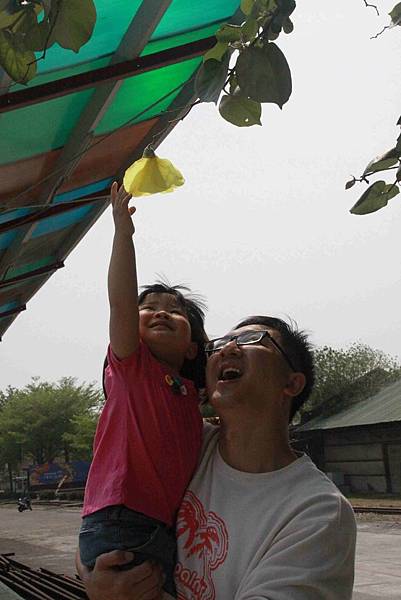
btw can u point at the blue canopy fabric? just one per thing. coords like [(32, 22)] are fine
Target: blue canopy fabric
[(120, 92)]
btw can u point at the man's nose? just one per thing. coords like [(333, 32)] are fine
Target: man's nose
[(230, 348)]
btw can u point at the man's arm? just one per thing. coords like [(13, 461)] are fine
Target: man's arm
[(107, 582), (313, 559), (122, 278)]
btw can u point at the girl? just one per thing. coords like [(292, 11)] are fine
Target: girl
[(148, 437)]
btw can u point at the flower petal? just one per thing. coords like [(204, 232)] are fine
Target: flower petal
[(152, 176)]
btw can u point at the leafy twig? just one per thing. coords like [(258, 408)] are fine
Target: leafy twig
[(380, 32), (372, 6), (51, 28)]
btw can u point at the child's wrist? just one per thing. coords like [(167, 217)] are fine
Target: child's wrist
[(123, 233)]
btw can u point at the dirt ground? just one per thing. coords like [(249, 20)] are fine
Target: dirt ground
[(47, 537)]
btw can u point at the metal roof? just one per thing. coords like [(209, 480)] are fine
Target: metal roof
[(83, 120), (383, 407)]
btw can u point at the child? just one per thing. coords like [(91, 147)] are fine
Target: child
[(149, 433)]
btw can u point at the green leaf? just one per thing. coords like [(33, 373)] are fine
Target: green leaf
[(269, 5), (9, 13), (374, 198), (37, 36), (271, 35), (276, 24), (210, 79), (398, 144), (385, 161), (229, 33), (350, 184), (217, 52), (286, 7), (233, 83), (250, 30), (47, 5), (73, 21), (398, 174), (264, 75), (246, 6), (288, 25), (240, 111), (395, 15), (20, 65)]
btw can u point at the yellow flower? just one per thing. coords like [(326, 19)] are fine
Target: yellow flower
[(151, 175)]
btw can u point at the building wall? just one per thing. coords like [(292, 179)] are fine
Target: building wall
[(394, 455), (369, 457)]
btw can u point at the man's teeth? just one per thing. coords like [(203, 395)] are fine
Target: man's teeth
[(230, 373)]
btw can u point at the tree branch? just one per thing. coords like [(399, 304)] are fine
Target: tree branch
[(371, 6), (380, 32)]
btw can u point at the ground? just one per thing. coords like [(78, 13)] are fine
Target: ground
[(47, 537)]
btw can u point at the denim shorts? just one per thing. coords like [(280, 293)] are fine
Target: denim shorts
[(119, 528)]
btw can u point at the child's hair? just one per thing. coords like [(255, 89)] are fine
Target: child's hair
[(194, 307)]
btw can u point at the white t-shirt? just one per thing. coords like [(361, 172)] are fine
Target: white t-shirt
[(284, 535)]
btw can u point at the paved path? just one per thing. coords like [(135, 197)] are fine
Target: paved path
[(44, 537), (47, 537), (378, 561)]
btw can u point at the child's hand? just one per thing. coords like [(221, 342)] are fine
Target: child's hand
[(122, 213)]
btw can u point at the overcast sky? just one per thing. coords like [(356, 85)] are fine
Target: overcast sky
[(262, 225)]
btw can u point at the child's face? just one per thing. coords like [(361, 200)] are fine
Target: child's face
[(164, 327)]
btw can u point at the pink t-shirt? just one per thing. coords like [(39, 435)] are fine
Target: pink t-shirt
[(147, 441)]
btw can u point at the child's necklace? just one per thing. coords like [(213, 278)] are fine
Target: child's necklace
[(176, 384)]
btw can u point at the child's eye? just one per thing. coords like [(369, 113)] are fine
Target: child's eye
[(146, 308)]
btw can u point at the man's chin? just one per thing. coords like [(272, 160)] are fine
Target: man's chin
[(223, 395)]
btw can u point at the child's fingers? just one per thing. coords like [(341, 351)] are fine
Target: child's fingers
[(122, 193), (131, 210), (114, 192), (123, 198)]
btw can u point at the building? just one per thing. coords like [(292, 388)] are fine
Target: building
[(360, 445)]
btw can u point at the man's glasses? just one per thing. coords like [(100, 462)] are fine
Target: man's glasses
[(246, 338)]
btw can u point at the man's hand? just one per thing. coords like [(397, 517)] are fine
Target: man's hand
[(105, 582), (122, 213)]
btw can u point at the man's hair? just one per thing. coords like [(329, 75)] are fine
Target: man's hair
[(194, 307), (296, 344)]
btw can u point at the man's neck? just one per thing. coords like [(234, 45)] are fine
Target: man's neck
[(255, 449)]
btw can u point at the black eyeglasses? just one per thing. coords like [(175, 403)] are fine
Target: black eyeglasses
[(245, 339)]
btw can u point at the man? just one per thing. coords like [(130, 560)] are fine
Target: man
[(258, 521)]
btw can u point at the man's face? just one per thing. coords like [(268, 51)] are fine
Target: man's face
[(251, 376)]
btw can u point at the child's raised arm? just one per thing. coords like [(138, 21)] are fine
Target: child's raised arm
[(122, 278)]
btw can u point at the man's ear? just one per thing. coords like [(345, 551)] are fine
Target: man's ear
[(192, 351), (295, 384)]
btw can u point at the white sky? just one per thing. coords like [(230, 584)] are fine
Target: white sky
[(262, 225)]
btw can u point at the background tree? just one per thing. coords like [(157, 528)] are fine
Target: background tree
[(80, 438), (345, 376), (40, 421)]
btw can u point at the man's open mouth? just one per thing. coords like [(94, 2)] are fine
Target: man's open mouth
[(229, 374)]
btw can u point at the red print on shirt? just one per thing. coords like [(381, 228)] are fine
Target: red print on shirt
[(207, 539)]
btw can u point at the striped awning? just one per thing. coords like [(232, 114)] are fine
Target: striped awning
[(82, 120)]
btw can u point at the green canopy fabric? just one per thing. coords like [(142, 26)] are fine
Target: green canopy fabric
[(82, 120)]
